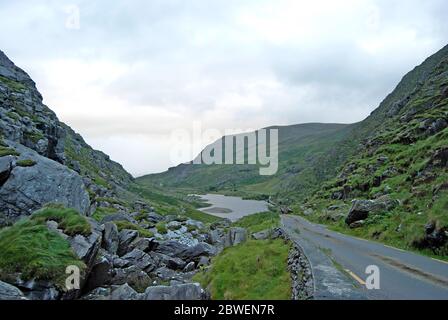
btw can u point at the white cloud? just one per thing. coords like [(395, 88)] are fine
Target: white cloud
[(134, 72)]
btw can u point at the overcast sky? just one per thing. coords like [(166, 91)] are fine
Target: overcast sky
[(132, 72)]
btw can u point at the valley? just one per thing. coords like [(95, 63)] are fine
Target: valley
[(248, 236)]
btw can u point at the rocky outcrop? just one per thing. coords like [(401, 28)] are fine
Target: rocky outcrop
[(361, 209), (9, 292), (28, 188), (111, 237), (435, 237), (86, 247)]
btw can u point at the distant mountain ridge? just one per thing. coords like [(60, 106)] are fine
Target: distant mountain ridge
[(301, 147)]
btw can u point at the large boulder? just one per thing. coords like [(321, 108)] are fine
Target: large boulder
[(435, 237), (170, 262), (170, 247), (195, 252), (119, 216), (100, 275), (6, 165), (236, 236), (110, 238), (126, 237), (144, 244), (361, 209), (134, 276), (86, 247), (190, 291), (141, 260), (9, 292), (29, 188), (123, 292)]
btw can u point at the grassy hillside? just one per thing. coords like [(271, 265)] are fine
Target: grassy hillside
[(403, 157)]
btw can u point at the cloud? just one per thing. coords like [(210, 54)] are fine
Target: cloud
[(134, 72)]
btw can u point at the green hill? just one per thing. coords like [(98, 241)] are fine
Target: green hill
[(307, 156)]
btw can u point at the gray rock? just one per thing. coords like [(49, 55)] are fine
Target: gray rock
[(174, 225), (189, 267), (203, 262), (361, 209), (100, 275), (141, 259), (164, 273), (120, 216), (143, 244), (86, 248), (123, 292), (9, 292), (98, 294), (30, 188), (38, 289), (170, 247), (170, 262), (134, 276), (191, 291), (120, 263), (5, 168), (193, 253), (357, 224), (110, 238), (154, 217), (236, 236), (125, 239), (262, 235), (195, 223)]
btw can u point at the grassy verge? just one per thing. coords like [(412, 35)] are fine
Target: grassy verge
[(259, 221), (255, 270)]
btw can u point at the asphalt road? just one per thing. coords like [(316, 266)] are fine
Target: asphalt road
[(403, 275)]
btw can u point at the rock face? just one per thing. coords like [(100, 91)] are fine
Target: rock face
[(9, 292), (111, 237), (27, 189), (86, 247), (24, 118), (361, 209)]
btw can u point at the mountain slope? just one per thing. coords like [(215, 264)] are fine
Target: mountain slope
[(43, 160), (306, 157), (403, 157)]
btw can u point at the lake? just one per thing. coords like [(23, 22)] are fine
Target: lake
[(232, 208)]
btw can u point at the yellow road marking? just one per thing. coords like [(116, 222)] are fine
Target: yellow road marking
[(439, 260), (354, 276), (394, 248)]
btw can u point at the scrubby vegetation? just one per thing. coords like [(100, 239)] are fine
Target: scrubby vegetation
[(101, 212), (130, 226), (255, 270), (6, 151), (259, 221), (69, 220), (30, 248), (161, 228), (26, 163)]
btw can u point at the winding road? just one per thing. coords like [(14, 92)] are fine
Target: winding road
[(403, 275)]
